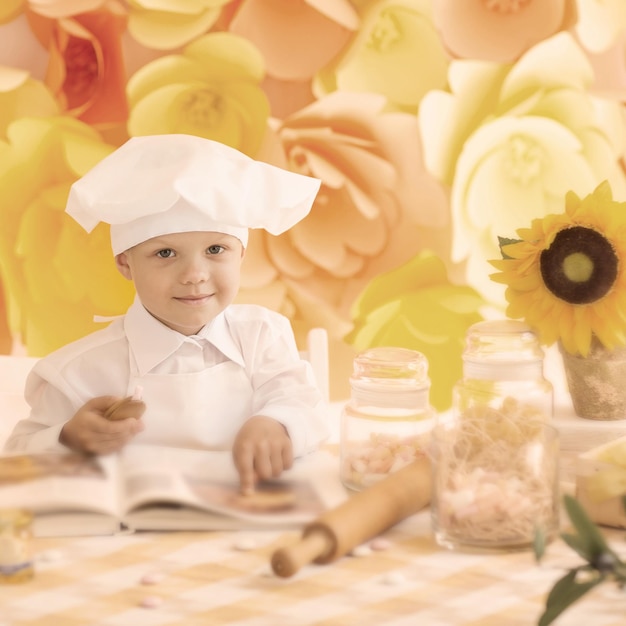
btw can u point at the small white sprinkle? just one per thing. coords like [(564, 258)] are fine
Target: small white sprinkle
[(243, 545), (362, 550), (393, 579), (151, 602), (380, 543), (152, 578), (50, 556)]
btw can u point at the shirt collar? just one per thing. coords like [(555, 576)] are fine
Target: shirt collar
[(152, 342)]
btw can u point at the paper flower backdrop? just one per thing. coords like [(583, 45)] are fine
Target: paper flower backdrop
[(434, 125)]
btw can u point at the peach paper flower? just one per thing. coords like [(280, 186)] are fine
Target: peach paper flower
[(210, 90), (396, 52), (510, 141), (288, 33), (600, 23), (56, 9), (376, 208), (170, 24), (22, 96), (55, 276), (86, 66), (500, 31), (417, 307)]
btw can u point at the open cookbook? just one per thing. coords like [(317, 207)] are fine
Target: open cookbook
[(161, 488)]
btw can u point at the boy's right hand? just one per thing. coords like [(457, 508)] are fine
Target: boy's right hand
[(90, 431)]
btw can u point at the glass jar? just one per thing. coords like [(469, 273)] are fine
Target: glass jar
[(503, 373), (16, 546), (496, 456), (386, 423)]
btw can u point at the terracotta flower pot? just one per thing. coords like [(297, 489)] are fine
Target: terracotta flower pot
[(597, 382)]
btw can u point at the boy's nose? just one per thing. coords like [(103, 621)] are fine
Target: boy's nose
[(196, 271)]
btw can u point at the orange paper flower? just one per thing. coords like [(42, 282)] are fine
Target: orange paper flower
[(86, 69)]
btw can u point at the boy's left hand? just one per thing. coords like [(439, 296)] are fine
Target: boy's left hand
[(262, 450)]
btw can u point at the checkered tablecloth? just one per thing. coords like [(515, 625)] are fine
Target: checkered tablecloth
[(225, 578)]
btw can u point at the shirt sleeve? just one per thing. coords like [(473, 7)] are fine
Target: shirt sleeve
[(285, 388), (50, 409)]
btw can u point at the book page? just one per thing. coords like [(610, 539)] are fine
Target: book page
[(167, 479), (59, 481)]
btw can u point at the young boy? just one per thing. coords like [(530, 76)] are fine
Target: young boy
[(211, 374)]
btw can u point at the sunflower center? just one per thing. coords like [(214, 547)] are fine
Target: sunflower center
[(580, 266), (577, 267)]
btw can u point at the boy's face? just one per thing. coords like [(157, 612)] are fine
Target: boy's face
[(184, 279)]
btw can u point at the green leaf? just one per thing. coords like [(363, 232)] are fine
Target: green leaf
[(565, 592), (505, 241), (590, 544), (539, 544)]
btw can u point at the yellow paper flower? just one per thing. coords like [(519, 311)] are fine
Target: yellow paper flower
[(511, 140), (10, 9), (22, 96), (417, 307), (394, 36), (170, 24), (566, 275), (211, 90), (56, 276)]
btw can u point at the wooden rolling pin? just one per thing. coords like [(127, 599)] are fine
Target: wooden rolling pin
[(363, 516)]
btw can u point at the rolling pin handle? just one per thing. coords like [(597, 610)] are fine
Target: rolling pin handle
[(287, 561)]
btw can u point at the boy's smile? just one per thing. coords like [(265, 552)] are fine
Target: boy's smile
[(184, 279)]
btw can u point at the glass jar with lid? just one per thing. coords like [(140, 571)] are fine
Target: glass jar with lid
[(387, 421), (503, 373), (496, 456)]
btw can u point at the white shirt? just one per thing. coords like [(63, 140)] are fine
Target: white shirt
[(258, 340)]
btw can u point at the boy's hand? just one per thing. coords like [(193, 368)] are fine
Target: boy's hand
[(90, 431), (262, 450)]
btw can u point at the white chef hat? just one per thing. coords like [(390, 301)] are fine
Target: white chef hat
[(162, 184)]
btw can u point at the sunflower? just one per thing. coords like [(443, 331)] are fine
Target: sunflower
[(566, 274)]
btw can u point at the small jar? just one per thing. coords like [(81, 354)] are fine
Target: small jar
[(387, 421), (16, 546), (503, 373), (496, 457)]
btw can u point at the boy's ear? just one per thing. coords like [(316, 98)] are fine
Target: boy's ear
[(121, 262)]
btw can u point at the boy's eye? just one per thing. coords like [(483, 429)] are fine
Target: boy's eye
[(166, 253), (215, 249)]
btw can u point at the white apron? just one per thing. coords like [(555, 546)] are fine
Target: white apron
[(204, 409)]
